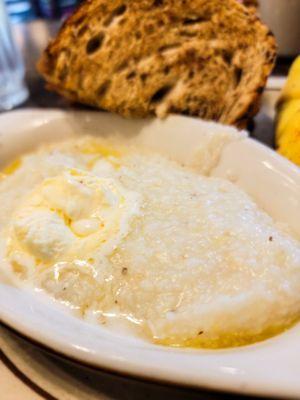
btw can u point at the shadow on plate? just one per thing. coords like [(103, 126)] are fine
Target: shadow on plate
[(56, 378)]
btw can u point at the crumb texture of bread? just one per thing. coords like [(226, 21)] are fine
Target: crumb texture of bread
[(205, 58)]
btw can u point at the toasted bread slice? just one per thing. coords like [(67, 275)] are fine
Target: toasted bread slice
[(206, 58)]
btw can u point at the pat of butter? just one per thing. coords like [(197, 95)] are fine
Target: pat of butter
[(71, 216), (85, 227)]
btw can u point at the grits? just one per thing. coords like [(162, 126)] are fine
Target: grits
[(117, 233)]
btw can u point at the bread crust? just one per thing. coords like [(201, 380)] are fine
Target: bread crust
[(137, 58)]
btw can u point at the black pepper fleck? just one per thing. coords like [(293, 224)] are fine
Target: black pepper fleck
[(124, 270)]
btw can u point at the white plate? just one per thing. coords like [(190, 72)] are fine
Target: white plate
[(271, 367)]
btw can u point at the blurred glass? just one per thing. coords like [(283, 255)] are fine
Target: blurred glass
[(28, 10), (12, 87), (21, 10)]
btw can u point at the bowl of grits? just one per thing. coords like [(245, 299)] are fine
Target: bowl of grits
[(150, 247)]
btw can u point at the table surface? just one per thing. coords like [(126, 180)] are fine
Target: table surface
[(14, 382)]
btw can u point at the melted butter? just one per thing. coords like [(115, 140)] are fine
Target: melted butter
[(237, 339), (12, 167), (112, 160), (85, 227), (92, 147), (70, 217)]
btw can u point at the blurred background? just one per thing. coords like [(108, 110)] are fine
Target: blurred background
[(29, 10), (26, 26)]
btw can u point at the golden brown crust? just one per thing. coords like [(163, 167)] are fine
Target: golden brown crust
[(139, 57)]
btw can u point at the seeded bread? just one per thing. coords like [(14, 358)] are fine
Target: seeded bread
[(206, 58)]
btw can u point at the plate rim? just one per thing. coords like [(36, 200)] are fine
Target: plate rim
[(113, 372)]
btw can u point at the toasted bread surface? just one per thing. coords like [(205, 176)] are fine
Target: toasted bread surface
[(206, 58)]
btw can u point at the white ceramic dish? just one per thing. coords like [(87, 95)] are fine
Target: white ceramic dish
[(267, 368)]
